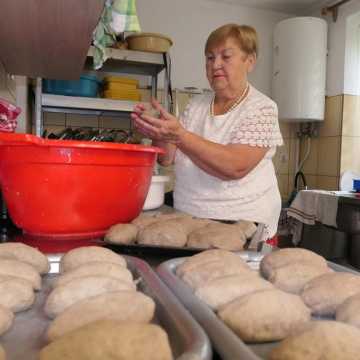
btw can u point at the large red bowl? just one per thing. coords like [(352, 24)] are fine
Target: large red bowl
[(72, 189)]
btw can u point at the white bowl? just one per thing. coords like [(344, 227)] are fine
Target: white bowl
[(155, 196)]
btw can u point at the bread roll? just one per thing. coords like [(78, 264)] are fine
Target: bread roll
[(326, 292), (247, 227), (120, 305), (83, 255), (21, 270), (268, 315), (204, 257), (121, 234), (223, 290), (348, 312), (204, 273), (111, 340), (325, 340), (217, 235), (16, 294), (95, 268), (293, 277), (27, 254), (79, 289), (287, 256), (6, 319)]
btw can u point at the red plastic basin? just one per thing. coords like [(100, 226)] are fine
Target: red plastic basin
[(72, 189)]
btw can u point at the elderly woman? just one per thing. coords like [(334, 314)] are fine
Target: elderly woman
[(222, 146)]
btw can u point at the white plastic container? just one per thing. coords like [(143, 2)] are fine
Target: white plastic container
[(300, 48), (155, 196)]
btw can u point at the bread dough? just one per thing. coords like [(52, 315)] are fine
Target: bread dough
[(16, 294), (287, 256), (82, 288), (325, 340), (223, 290), (6, 319), (204, 257), (247, 227), (348, 312), (268, 315), (21, 270), (217, 235), (83, 255), (111, 340), (204, 273), (293, 277), (2, 353), (121, 305), (144, 220), (326, 292), (121, 234), (96, 268), (27, 254), (163, 233)]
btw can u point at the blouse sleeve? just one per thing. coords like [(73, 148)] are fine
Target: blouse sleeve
[(258, 127)]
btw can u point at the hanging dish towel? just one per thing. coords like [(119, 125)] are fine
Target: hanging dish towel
[(8, 115), (311, 206), (118, 16)]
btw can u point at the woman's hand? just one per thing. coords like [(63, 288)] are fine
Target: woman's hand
[(165, 128)]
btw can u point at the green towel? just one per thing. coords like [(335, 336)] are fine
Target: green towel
[(118, 16)]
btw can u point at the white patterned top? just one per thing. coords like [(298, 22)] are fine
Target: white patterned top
[(254, 197)]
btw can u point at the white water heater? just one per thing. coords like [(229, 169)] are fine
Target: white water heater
[(299, 76)]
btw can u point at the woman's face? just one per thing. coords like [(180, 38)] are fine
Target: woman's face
[(227, 66)]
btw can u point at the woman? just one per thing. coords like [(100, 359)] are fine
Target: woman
[(223, 144)]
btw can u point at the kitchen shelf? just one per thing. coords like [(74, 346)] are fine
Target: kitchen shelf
[(119, 62)]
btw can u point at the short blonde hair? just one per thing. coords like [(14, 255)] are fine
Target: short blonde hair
[(245, 35)]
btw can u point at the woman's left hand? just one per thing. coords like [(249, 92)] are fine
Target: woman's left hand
[(164, 128)]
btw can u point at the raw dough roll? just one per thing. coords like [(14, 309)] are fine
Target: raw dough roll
[(326, 292), (21, 270), (111, 340), (325, 340), (121, 305), (83, 255), (16, 294), (217, 235), (79, 289), (121, 234), (268, 315), (204, 257), (348, 312), (27, 254), (287, 256), (6, 319), (223, 290), (95, 268)]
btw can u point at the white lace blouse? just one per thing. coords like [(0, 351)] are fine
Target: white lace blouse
[(256, 196)]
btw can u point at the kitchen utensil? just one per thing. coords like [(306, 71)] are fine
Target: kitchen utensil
[(149, 42)]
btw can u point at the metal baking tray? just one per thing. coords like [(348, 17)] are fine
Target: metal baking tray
[(225, 341), (187, 339)]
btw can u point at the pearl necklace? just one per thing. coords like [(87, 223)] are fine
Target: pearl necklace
[(234, 105)]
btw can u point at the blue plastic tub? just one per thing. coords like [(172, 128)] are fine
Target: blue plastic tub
[(356, 185), (87, 86)]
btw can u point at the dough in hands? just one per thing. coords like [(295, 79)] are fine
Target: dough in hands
[(83, 255), (223, 290), (82, 288), (326, 292), (326, 340), (217, 235), (262, 316), (111, 340), (121, 234), (120, 305), (27, 254), (21, 270), (95, 268)]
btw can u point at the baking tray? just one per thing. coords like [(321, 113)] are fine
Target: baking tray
[(225, 341), (187, 339)]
